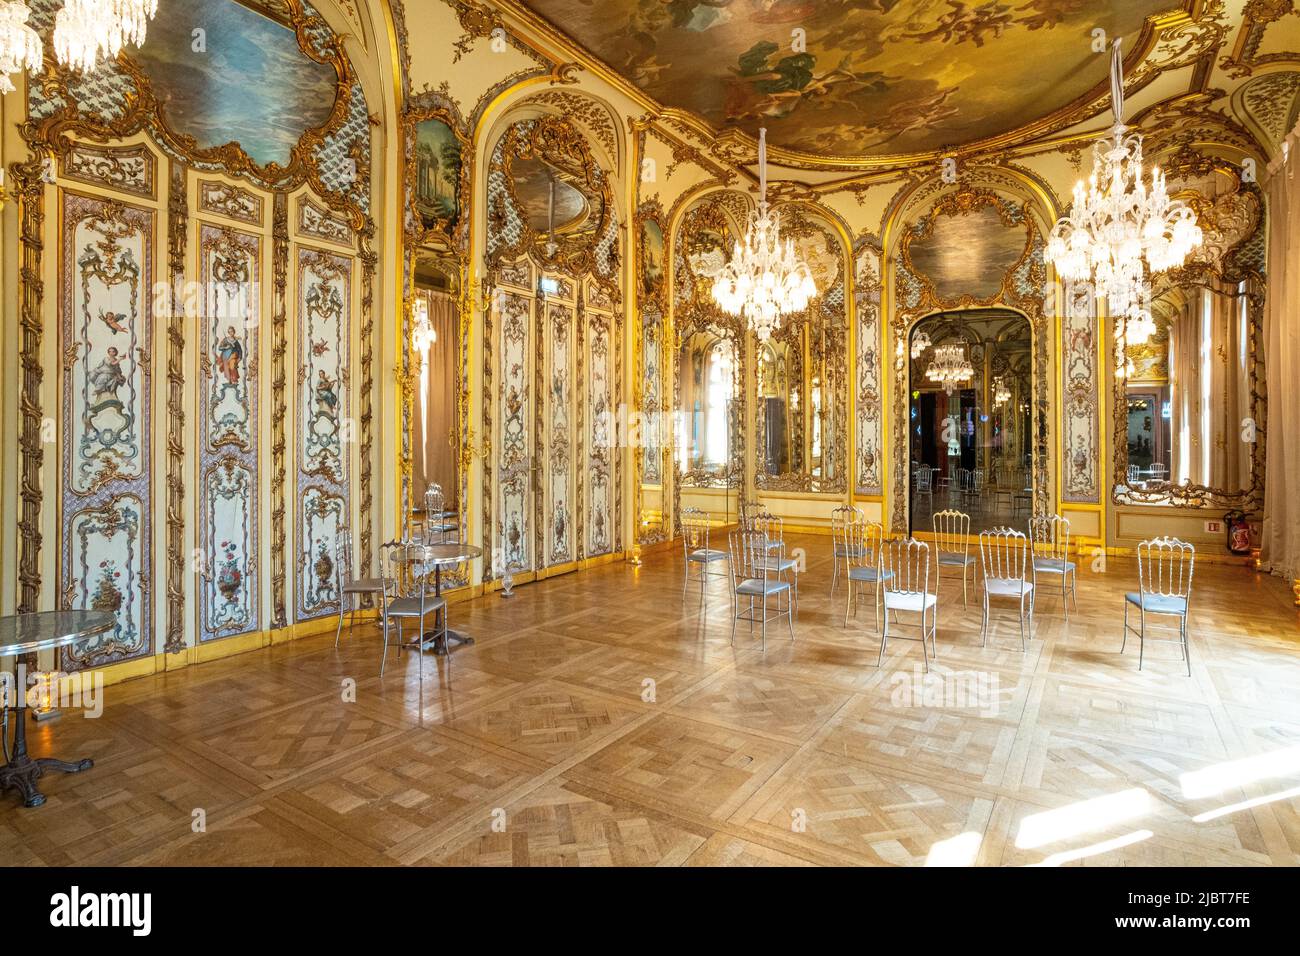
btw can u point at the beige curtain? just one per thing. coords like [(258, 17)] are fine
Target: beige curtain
[(1281, 531), (435, 409)]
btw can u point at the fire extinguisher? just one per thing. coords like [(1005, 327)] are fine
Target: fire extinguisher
[(1238, 530)]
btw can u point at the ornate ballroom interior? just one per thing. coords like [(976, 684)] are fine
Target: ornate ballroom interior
[(591, 341)]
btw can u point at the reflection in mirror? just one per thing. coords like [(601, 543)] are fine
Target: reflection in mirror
[(707, 369), (1188, 393), (436, 333), (970, 431)]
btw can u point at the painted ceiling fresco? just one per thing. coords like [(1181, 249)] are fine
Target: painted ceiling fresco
[(873, 77)]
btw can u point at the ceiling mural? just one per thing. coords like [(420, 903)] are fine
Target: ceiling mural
[(866, 77)]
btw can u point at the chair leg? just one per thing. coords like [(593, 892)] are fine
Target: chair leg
[(342, 609), (884, 639), (1142, 634), (1023, 646), (835, 571), (789, 617), (1124, 642), (964, 602), (1187, 647), (879, 585), (984, 622), (383, 661)]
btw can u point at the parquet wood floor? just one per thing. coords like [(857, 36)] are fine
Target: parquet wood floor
[(603, 719)]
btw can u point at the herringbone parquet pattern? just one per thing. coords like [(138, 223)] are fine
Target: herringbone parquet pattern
[(602, 719)]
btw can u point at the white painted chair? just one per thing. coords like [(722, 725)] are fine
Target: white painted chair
[(841, 518), (1007, 571), (952, 546), (906, 564), (696, 550), (1165, 568), (1049, 538), (751, 580), (863, 540)]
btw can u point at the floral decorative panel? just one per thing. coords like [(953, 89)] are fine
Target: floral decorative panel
[(230, 273), (559, 510), (325, 430), (1080, 389), (870, 398), (516, 419), (600, 452), (106, 331), (652, 396)]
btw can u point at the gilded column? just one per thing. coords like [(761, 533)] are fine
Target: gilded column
[(279, 348), (177, 225)]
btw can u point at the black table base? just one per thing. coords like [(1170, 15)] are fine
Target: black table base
[(22, 771)]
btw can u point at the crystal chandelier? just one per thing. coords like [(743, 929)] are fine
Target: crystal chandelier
[(949, 367), (1139, 326), (920, 342), (765, 279), (20, 46), (85, 30), (1120, 229), (1001, 394)]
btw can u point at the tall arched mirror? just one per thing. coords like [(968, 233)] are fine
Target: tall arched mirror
[(970, 432), (435, 320)]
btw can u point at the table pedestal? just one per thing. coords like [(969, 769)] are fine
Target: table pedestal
[(434, 639), (22, 772)]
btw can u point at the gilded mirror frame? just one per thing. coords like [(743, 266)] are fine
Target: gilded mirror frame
[(915, 299), (798, 222), (1219, 264)]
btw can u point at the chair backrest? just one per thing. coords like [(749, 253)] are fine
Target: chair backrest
[(1134, 473), (392, 571), (841, 518), (1159, 470), (771, 527), (923, 479), (977, 480), (1004, 555), (1165, 567), (747, 512), (907, 562), (951, 529), (343, 557), (434, 503), (1049, 536), (963, 478), (695, 529), (748, 553), (862, 542)]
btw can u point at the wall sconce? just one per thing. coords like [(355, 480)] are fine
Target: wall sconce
[(42, 694)]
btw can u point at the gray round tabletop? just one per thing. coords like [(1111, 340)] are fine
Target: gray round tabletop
[(438, 555), (29, 633)]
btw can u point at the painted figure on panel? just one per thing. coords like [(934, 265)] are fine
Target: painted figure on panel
[(230, 352), (327, 400), (106, 377), (652, 258)]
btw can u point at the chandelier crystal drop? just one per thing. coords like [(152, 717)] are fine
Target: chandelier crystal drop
[(86, 30), (1120, 229), (949, 367), (765, 278), (920, 342), (20, 46)]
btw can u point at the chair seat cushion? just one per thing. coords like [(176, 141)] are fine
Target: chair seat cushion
[(776, 564), (958, 560), (1158, 603), (364, 586), (1009, 587), (706, 555), (410, 606), (869, 574), (759, 586), (1053, 565), (854, 552), (908, 600)]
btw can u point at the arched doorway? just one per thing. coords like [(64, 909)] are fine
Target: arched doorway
[(970, 434)]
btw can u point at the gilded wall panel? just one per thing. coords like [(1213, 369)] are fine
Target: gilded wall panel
[(600, 436), (106, 332), (515, 416)]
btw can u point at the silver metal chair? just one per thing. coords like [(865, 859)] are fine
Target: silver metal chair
[(1159, 472), (1008, 572), (1165, 568), (952, 544), (751, 578), (863, 541), (1049, 538), (772, 530), (972, 488), (696, 550), (923, 483), (436, 527), (905, 563), (841, 518), (416, 603), (352, 588)]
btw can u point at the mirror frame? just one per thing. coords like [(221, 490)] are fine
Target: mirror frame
[(1220, 264), (798, 222)]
